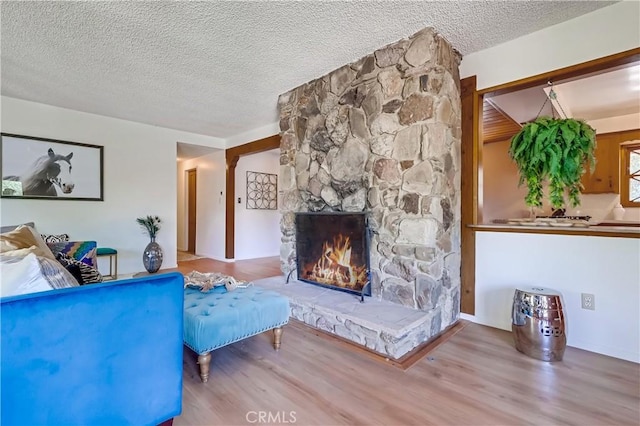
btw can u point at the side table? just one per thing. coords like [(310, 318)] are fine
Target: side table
[(113, 261)]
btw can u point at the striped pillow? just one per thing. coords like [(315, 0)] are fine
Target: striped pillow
[(60, 238), (87, 274), (56, 274)]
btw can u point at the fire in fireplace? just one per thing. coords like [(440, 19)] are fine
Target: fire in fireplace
[(332, 250)]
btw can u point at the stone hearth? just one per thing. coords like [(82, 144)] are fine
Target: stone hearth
[(384, 327), (382, 135)]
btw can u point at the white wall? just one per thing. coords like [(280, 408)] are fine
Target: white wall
[(600, 207), (139, 179), (254, 134), (608, 268), (210, 199), (257, 231), (603, 32), (616, 124)]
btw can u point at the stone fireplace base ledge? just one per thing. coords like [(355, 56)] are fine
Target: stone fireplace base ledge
[(387, 328)]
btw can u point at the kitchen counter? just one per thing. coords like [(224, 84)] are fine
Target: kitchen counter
[(604, 229), (618, 223)]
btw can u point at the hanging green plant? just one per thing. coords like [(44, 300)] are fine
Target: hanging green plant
[(557, 151)]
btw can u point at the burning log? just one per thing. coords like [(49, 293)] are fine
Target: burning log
[(334, 267)]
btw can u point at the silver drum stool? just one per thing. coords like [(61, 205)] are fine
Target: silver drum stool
[(538, 323)]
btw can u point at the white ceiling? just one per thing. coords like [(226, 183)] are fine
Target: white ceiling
[(594, 97), (217, 67), (606, 95), (186, 151), (524, 105)]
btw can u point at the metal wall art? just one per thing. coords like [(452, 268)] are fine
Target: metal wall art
[(262, 191)]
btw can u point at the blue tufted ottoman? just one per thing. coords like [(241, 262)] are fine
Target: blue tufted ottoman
[(220, 317)]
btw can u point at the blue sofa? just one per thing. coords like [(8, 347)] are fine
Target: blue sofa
[(100, 354)]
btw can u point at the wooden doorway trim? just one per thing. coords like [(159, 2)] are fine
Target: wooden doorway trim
[(192, 202), (469, 185), (471, 151), (573, 72), (232, 155)]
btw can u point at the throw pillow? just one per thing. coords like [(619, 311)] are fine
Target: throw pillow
[(24, 237), (23, 252), (74, 270), (9, 228), (60, 238), (56, 274), (84, 251), (21, 275), (88, 275)]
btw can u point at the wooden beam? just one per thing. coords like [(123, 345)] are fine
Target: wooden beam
[(232, 155), (260, 145), (469, 191), (230, 211)]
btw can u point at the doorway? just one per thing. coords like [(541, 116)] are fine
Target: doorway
[(192, 185), (232, 155)]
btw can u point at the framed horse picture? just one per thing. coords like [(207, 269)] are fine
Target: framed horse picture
[(50, 169)]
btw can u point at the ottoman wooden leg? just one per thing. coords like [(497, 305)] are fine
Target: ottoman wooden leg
[(204, 360), (277, 337)]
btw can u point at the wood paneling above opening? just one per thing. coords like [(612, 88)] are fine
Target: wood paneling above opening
[(497, 126)]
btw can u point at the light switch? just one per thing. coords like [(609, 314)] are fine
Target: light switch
[(239, 200)]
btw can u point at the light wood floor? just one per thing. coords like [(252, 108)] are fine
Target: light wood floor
[(475, 378), (242, 269)]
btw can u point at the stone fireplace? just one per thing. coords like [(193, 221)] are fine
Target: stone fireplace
[(382, 135)]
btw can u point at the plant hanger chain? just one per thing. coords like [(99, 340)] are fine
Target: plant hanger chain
[(553, 96)]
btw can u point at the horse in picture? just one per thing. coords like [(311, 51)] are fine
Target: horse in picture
[(43, 176)]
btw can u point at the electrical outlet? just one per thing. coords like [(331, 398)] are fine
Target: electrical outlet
[(588, 301)]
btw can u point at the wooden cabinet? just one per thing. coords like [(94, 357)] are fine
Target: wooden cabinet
[(606, 176)]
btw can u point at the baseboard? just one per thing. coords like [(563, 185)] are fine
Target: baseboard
[(405, 362), (220, 259), (467, 317)]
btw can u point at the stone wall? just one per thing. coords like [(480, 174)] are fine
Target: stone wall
[(382, 135)]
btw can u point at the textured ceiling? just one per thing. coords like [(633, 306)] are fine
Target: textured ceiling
[(217, 68)]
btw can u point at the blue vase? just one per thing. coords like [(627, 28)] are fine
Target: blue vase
[(152, 256)]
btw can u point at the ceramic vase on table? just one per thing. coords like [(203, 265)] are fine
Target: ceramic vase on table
[(152, 256)]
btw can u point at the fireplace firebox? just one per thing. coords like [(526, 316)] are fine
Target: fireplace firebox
[(332, 250)]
